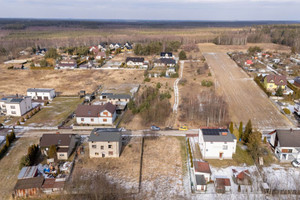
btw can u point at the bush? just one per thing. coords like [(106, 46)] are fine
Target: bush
[(22, 119), (46, 103), (182, 55), (174, 75), (9, 139), (18, 123), (207, 83), (287, 111), (147, 79), (209, 74)]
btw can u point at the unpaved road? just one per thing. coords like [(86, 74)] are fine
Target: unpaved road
[(245, 99)]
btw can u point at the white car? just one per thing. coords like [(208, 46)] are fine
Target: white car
[(296, 163)]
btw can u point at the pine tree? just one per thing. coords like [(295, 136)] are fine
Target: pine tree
[(231, 127), (247, 132), (241, 130)]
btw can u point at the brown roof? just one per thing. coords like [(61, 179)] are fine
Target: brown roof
[(35, 182), (51, 183), (94, 110), (223, 182), (241, 175), (202, 167), (276, 79), (55, 139)]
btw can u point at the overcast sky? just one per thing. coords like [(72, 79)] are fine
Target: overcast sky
[(153, 9)]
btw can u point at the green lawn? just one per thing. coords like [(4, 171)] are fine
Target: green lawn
[(240, 157), (53, 114)]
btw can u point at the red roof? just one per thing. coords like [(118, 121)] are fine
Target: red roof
[(241, 174), (202, 167), (249, 62), (223, 182), (276, 79), (94, 110)]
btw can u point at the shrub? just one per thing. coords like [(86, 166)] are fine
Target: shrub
[(158, 86), (182, 55), (22, 119), (206, 83), (174, 75), (147, 79), (209, 74), (287, 111), (26, 117), (18, 123), (45, 103)]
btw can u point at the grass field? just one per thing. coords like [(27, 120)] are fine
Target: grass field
[(57, 111), (9, 165), (239, 158)]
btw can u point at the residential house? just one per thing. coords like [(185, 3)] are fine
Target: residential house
[(249, 62), (28, 187), (273, 82), (102, 46), (67, 64), (217, 143), (222, 184), (128, 46), (105, 143), (65, 144), (135, 62), (166, 55), (164, 62), (96, 114), (202, 168), (286, 144), (41, 93), (201, 183), (100, 55), (15, 105), (94, 49), (241, 176), (114, 46)]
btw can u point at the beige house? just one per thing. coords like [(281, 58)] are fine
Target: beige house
[(105, 143), (65, 144), (15, 105)]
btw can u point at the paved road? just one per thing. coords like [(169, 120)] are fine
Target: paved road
[(245, 99)]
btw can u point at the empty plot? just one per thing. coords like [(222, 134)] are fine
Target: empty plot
[(246, 100)]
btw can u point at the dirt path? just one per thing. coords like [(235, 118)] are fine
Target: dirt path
[(246, 100), (176, 91)]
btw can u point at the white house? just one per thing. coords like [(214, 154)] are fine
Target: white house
[(170, 71), (96, 114), (105, 143), (135, 62), (217, 143), (200, 183), (15, 105), (41, 93), (286, 144)]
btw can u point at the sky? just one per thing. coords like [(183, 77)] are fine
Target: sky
[(227, 10)]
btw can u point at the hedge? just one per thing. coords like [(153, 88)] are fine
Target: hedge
[(190, 152)]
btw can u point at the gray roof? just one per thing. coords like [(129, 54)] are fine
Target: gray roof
[(40, 89), (27, 172), (165, 61), (200, 180), (12, 99), (105, 134), (216, 135), (288, 138)]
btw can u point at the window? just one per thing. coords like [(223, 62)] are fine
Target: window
[(211, 142), (110, 146), (104, 120), (225, 147), (206, 149), (102, 147), (13, 112), (13, 107), (82, 119), (105, 113), (96, 154), (61, 154), (92, 120), (94, 146), (110, 153)]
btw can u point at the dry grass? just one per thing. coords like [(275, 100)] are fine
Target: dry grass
[(9, 165), (69, 82), (123, 170), (57, 111)]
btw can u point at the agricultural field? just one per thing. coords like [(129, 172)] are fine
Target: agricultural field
[(245, 99), (9, 169), (55, 112)]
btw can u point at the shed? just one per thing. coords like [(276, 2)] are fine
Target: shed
[(28, 187)]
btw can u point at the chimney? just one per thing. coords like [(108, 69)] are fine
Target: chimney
[(224, 133)]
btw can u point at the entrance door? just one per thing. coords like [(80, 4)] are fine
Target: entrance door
[(221, 155), (103, 155)]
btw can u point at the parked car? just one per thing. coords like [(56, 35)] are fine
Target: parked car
[(183, 128), (155, 128), (296, 163)]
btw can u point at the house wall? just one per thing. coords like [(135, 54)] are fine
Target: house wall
[(212, 150), (62, 155), (96, 151), (201, 187), (96, 120), (115, 101), (14, 109), (35, 95), (206, 175), (26, 192)]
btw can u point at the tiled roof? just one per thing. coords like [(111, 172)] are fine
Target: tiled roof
[(94, 110)]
